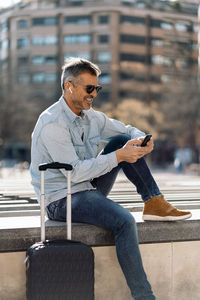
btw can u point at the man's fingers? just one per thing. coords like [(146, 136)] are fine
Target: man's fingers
[(150, 143), (134, 142)]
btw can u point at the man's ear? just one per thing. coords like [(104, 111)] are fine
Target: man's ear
[(66, 85)]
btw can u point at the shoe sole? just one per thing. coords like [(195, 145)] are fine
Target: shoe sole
[(167, 218)]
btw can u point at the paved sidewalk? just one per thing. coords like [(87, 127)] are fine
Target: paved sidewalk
[(17, 196), (19, 180)]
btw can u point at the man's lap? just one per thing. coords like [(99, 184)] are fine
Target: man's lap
[(90, 207)]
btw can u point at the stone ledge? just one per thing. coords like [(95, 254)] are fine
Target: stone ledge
[(18, 233)]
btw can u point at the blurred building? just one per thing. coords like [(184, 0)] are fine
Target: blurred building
[(139, 46)]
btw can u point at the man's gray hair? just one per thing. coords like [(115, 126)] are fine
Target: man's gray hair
[(74, 66)]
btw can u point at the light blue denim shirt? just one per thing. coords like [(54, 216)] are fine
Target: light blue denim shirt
[(57, 136)]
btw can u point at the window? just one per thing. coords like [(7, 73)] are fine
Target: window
[(132, 20), (22, 43), (155, 23), (44, 40), (157, 59), (168, 44), (50, 21), (85, 55), (132, 39), (139, 4), (103, 38), (4, 64), (181, 63), (155, 96), (195, 27), (183, 45), (167, 61), (126, 76), (131, 94), (5, 44), (161, 60), (76, 20), (51, 40), (126, 3), (41, 77), (75, 3), (52, 77), (181, 27), (165, 78), (22, 24), (4, 26), (38, 77), (38, 60), (104, 57), (132, 76), (155, 78), (77, 39), (104, 96), (132, 57), (23, 78), (104, 19), (105, 78), (38, 40), (195, 46), (166, 26), (51, 59), (156, 42), (23, 60)]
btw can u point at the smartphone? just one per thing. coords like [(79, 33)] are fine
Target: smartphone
[(146, 139)]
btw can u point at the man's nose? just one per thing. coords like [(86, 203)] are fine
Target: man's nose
[(94, 93)]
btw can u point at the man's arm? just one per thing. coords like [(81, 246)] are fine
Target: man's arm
[(132, 151), (129, 153), (111, 127), (57, 141), (58, 144)]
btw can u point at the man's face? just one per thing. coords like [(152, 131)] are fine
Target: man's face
[(77, 97)]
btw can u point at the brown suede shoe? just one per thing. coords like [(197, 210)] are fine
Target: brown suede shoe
[(158, 209)]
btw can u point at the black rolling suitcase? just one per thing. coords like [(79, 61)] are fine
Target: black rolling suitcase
[(59, 269)]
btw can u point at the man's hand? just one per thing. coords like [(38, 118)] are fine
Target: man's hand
[(149, 146), (132, 151)]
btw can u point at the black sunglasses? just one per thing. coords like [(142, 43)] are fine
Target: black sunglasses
[(91, 88)]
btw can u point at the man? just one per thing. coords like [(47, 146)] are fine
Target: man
[(70, 132)]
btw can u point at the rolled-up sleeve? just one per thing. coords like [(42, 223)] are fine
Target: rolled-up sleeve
[(57, 141)]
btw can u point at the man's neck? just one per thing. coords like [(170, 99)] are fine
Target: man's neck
[(81, 114)]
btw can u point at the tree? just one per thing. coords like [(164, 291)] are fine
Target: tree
[(144, 116), (17, 115), (182, 113)]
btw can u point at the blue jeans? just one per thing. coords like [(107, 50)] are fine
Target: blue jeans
[(93, 207)]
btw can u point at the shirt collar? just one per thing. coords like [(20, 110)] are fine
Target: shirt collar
[(70, 114)]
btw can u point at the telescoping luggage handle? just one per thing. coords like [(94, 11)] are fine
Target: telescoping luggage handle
[(68, 168)]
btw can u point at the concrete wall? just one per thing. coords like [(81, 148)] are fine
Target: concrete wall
[(172, 268)]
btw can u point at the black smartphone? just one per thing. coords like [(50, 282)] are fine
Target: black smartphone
[(146, 139)]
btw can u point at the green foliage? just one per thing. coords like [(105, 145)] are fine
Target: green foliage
[(176, 5)]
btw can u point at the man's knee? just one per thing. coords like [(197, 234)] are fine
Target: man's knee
[(130, 220), (127, 222), (116, 143)]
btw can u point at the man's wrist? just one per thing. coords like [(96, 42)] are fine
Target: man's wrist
[(119, 156)]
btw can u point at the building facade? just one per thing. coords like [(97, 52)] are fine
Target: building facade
[(138, 48)]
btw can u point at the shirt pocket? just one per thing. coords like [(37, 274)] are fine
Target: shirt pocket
[(94, 143), (80, 151)]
